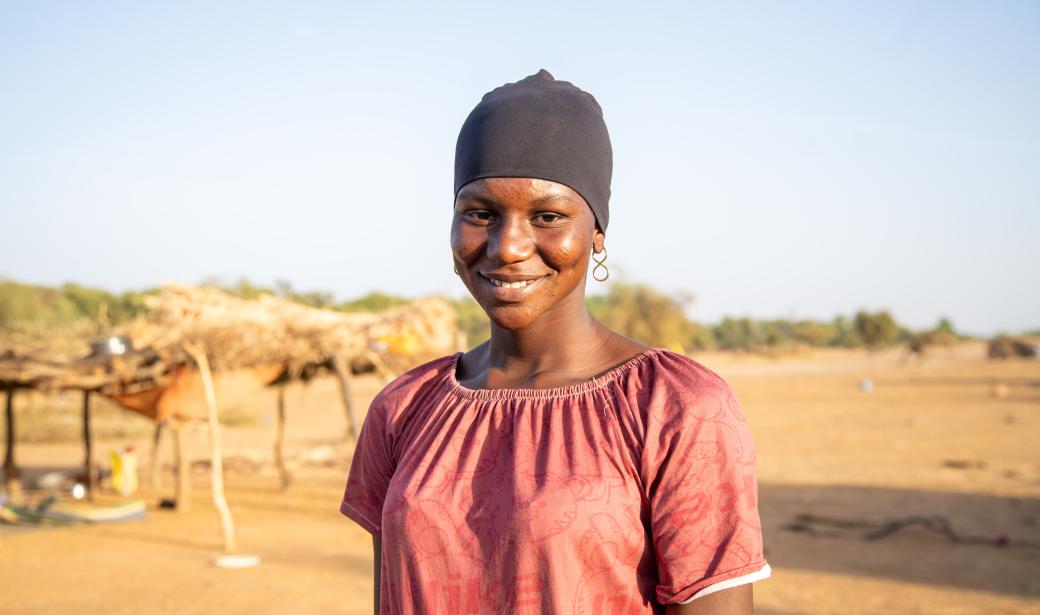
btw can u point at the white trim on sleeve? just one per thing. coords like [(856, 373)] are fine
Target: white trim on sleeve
[(758, 575)]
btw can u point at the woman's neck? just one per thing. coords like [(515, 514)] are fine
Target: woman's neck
[(552, 344)]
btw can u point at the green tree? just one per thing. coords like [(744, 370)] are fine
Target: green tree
[(946, 326), (647, 315), (776, 332), (846, 334), (738, 334), (314, 298), (25, 304), (701, 337), (128, 305), (372, 302), (20, 303), (876, 329), (815, 333)]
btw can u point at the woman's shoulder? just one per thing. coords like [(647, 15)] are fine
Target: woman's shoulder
[(674, 389), (415, 382), (678, 372)]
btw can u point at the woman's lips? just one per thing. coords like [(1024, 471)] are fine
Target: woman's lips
[(511, 291)]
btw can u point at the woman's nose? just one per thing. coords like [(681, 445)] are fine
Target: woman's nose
[(511, 241)]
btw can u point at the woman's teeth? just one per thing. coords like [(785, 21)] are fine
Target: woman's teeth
[(519, 284)]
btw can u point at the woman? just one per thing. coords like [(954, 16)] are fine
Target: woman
[(559, 467)]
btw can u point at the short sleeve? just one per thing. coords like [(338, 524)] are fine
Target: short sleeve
[(370, 471), (699, 467)]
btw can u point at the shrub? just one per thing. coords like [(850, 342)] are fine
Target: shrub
[(876, 329), (647, 315)]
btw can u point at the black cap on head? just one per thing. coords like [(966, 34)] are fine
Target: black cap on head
[(542, 128)]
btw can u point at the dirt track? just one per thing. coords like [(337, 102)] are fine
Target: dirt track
[(954, 436)]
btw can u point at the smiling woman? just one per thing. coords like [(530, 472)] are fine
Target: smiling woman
[(558, 467), (522, 246)]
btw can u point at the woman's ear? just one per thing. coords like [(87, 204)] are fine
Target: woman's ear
[(597, 240)]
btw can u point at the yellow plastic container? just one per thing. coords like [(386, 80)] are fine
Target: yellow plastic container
[(124, 471)]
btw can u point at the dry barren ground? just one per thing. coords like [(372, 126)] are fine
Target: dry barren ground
[(953, 438)]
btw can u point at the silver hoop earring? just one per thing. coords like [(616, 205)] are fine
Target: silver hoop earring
[(455, 269), (599, 263)]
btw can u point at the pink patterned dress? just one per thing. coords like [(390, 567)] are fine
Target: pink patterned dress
[(616, 495)]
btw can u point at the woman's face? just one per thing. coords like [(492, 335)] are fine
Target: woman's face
[(522, 247)]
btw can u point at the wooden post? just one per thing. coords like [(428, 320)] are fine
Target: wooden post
[(216, 462), (12, 482), (382, 368), (88, 447), (155, 469), (183, 469), (279, 458), (342, 377)]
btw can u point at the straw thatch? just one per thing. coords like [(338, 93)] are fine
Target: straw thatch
[(242, 333), (239, 333), (22, 370)]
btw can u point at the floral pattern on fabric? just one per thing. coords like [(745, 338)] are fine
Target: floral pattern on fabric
[(619, 494)]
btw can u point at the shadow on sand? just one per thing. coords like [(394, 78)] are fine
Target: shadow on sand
[(911, 554)]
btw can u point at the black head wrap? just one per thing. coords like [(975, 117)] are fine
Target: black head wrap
[(542, 128)]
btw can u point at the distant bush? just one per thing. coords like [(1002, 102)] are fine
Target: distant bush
[(647, 315), (701, 337), (244, 289), (103, 305), (20, 303), (738, 334), (815, 333), (24, 304), (372, 302), (876, 329), (1006, 346), (946, 328), (920, 342)]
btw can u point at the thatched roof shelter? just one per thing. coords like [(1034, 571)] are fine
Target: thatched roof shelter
[(239, 333), (189, 335)]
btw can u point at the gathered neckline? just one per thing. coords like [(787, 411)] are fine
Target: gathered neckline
[(569, 390)]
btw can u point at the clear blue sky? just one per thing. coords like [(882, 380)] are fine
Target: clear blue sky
[(774, 159)]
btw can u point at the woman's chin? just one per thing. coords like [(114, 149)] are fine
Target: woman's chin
[(511, 317)]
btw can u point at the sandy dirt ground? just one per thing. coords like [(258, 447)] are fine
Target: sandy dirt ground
[(953, 439)]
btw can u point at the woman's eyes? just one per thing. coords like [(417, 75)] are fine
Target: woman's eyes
[(483, 216), (548, 217)]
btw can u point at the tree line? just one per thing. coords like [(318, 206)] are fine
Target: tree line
[(636, 310)]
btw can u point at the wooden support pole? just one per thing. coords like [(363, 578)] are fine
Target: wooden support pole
[(12, 482), (342, 376), (382, 368), (279, 441), (216, 462), (155, 469), (88, 447), (183, 469)]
